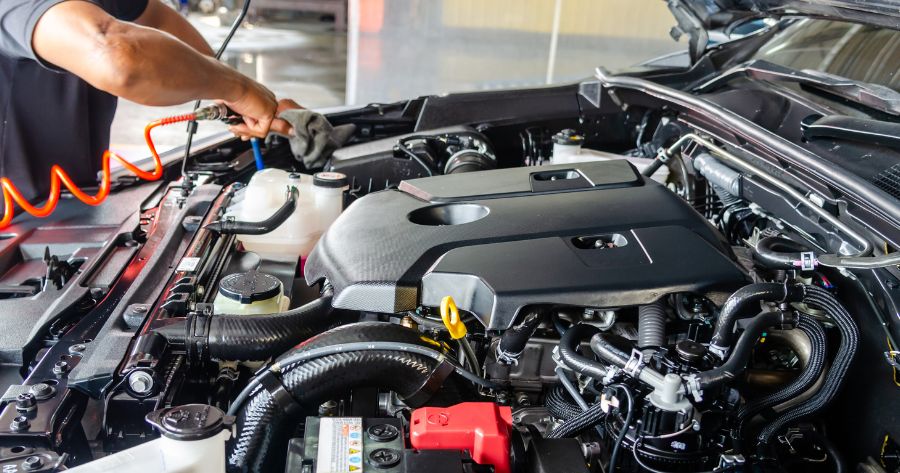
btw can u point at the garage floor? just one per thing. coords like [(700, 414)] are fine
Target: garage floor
[(411, 53)]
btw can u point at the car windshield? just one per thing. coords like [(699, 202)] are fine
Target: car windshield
[(858, 52)]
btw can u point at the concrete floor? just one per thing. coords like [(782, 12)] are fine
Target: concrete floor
[(414, 52)]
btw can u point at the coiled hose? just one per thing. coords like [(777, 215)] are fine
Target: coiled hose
[(651, 326), (811, 372), (262, 425), (818, 297)]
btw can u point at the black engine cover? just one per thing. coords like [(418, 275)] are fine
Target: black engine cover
[(593, 234)]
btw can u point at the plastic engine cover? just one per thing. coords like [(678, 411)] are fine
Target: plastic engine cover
[(591, 234)]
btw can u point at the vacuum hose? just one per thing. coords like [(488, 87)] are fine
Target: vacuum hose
[(514, 340), (237, 227), (818, 297), (744, 303), (263, 424), (779, 253), (738, 360), (568, 351)]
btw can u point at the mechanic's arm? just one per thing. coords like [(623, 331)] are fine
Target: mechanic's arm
[(144, 65), (163, 18)]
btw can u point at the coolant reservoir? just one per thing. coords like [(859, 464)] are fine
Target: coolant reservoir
[(320, 201), (250, 293)]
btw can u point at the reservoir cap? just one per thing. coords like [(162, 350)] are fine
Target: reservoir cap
[(189, 422), (332, 180), (249, 287)]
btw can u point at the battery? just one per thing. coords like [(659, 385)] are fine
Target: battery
[(368, 445)]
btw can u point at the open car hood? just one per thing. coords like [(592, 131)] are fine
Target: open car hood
[(697, 17), (714, 13)]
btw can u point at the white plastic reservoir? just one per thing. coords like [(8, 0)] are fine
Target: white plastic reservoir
[(319, 204)]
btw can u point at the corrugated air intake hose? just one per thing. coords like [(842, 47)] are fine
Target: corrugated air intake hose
[(272, 411)]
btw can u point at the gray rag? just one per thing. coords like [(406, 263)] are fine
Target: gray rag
[(313, 138)]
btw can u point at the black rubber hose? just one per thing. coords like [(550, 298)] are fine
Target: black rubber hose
[(237, 227), (652, 167), (739, 358), (808, 377), (778, 253), (513, 341), (568, 351), (583, 420), (260, 337), (607, 351), (745, 303), (263, 426), (834, 379), (651, 326)]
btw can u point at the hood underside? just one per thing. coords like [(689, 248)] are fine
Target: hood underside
[(715, 13)]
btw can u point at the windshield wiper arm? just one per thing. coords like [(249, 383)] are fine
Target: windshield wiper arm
[(874, 96)]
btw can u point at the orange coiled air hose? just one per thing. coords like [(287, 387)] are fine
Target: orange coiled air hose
[(59, 178)]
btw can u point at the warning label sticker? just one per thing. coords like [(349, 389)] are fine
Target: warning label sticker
[(340, 445), (188, 264)]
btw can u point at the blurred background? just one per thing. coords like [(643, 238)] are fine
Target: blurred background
[(327, 53)]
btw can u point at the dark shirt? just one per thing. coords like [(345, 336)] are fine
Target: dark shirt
[(49, 116)]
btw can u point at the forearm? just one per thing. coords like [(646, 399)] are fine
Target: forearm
[(130, 61), (158, 69)]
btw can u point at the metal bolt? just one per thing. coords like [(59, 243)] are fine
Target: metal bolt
[(25, 402), (19, 424), (33, 462), (522, 400), (140, 382), (42, 391), (327, 408), (77, 349), (60, 368), (384, 458)]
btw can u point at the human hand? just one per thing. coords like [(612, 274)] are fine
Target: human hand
[(258, 106)]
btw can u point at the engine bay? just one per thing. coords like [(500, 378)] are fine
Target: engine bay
[(589, 278)]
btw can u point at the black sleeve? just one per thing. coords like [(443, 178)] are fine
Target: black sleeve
[(17, 21)]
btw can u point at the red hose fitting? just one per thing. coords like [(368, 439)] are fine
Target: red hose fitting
[(59, 178)]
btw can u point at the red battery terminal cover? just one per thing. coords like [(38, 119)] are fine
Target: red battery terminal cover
[(482, 428)]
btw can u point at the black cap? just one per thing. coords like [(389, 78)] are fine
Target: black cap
[(568, 137), (329, 179), (190, 422), (690, 351), (249, 287)]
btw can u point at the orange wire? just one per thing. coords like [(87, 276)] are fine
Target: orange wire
[(59, 178)]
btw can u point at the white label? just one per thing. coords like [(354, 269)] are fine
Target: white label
[(340, 445), (188, 265)]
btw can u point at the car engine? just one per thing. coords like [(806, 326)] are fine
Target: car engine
[(609, 281)]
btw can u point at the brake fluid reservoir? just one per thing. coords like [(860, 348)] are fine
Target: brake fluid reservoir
[(319, 202), (250, 293)]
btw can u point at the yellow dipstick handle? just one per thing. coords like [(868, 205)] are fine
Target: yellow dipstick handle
[(450, 316)]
